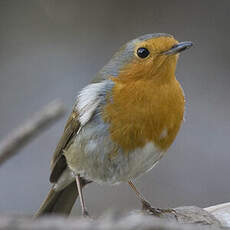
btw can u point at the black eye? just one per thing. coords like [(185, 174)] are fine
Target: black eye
[(142, 52)]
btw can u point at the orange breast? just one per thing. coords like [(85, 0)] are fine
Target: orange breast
[(141, 111)]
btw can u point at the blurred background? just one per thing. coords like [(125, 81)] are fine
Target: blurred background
[(51, 49)]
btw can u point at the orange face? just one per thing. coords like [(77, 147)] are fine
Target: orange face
[(156, 65)]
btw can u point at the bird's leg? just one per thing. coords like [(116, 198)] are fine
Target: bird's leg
[(79, 187), (145, 204)]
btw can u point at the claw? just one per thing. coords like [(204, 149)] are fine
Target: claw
[(147, 207), (85, 213)]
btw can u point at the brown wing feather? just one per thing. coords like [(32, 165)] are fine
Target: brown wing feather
[(58, 162)]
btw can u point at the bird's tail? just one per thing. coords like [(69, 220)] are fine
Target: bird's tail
[(60, 202)]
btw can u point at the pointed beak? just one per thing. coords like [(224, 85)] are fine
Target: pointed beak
[(178, 48)]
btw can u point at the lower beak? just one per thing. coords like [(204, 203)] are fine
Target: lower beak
[(178, 48)]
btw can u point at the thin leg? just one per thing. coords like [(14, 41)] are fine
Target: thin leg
[(79, 187), (139, 195), (145, 204)]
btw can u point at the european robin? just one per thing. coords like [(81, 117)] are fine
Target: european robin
[(122, 123)]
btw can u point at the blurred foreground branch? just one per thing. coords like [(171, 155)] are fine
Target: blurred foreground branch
[(131, 221), (30, 129)]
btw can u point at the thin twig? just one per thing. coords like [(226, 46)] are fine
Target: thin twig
[(30, 129)]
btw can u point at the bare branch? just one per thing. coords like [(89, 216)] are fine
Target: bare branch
[(110, 221), (31, 128)]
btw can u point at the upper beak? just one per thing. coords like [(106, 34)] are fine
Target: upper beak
[(178, 48)]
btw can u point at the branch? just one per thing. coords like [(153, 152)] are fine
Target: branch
[(110, 221), (30, 129), (185, 215)]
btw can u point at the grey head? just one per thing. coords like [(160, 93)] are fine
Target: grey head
[(123, 56)]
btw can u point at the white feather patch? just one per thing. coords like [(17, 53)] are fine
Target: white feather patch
[(87, 101), (144, 159)]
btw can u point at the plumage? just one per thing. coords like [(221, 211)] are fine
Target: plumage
[(123, 122)]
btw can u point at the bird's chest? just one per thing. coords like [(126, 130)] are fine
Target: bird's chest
[(141, 113)]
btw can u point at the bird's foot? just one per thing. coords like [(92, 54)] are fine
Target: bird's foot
[(157, 211), (148, 208), (85, 214)]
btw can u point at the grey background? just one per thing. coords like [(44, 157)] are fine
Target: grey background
[(51, 49)]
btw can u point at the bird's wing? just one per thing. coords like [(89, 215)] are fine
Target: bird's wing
[(58, 162), (86, 106)]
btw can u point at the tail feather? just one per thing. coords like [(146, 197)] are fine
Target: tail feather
[(60, 202)]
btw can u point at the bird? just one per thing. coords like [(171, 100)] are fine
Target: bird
[(121, 124)]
